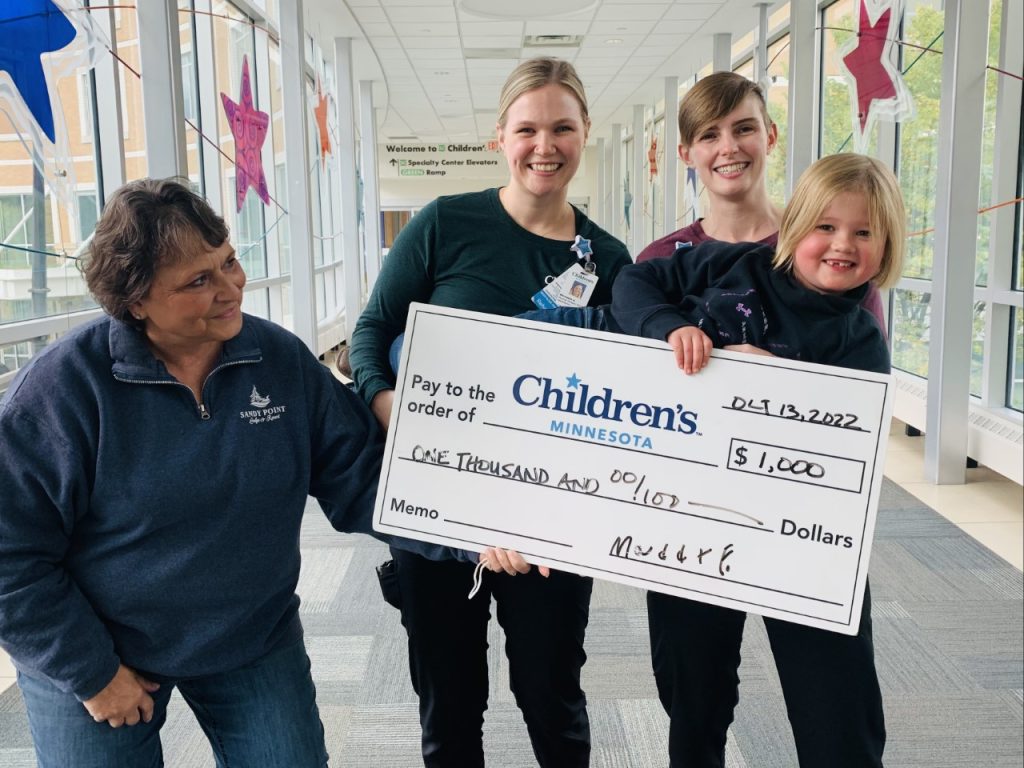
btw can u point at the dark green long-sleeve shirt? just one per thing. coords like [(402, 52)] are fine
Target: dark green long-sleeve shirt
[(465, 251)]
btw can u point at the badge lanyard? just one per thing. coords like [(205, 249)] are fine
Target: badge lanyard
[(573, 287)]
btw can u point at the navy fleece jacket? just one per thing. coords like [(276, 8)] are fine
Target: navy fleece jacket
[(136, 530)]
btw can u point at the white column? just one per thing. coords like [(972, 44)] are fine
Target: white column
[(345, 153), (618, 217), (802, 140), (670, 164), (270, 212), (607, 211), (637, 235), (108, 129), (597, 210), (721, 57), (163, 105), (371, 199), (961, 119), (1004, 187), (296, 158), (761, 57)]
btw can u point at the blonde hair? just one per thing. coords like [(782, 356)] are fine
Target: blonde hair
[(536, 73), (834, 175), (714, 97)]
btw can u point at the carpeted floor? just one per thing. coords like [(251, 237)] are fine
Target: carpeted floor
[(948, 633)]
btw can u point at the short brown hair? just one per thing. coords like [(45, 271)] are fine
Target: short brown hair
[(536, 73), (711, 99), (833, 175), (145, 225)]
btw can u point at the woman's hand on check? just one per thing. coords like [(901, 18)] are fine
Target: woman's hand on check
[(508, 560)]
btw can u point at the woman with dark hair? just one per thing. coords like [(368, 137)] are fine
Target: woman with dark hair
[(155, 470)]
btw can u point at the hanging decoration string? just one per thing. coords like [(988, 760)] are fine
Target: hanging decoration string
[(928, 230)]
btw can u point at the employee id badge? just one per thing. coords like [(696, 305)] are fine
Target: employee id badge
[(572, 288)]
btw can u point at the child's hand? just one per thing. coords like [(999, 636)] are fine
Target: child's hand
[(749, 349), (692, 347)]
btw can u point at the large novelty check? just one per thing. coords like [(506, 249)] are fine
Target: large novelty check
[(753, 484)]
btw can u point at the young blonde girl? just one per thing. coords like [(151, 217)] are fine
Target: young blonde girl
[(842, 231)]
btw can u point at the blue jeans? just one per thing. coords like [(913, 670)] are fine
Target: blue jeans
[(594, 318), (260, 716)]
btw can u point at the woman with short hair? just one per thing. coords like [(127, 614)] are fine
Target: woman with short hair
[(155, 471)]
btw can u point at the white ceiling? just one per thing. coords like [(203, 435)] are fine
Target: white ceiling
[(438, 65)]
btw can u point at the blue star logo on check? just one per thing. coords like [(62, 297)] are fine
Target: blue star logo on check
[(572, 381)]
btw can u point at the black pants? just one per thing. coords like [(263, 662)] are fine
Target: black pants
[(544, 622), (828, 680)]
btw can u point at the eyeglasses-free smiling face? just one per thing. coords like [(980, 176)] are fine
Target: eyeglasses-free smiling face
[(543, 139), (730, 155), (841, 252), (196, 301)]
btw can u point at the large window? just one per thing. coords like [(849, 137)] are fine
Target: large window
[(996, 316), (778, 108), (234, 42), (918, 167), (48, 199)]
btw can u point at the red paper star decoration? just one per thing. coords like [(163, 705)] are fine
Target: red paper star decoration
[(876, 85), (320, 111), (249, 127)]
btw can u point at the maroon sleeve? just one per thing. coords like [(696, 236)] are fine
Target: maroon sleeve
[(665, 246), (873, 303), (659, 249)]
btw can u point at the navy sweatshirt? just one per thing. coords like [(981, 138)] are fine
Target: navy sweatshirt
[(732, 293), (133, 530)]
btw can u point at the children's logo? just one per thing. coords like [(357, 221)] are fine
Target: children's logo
[(264, 411), (578, 399), (257, 400)]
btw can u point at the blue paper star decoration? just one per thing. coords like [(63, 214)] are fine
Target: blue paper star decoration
[(29, 29)]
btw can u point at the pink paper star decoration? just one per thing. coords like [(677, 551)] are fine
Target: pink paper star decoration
[(876, 85), (249, 127), (320, 113)]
